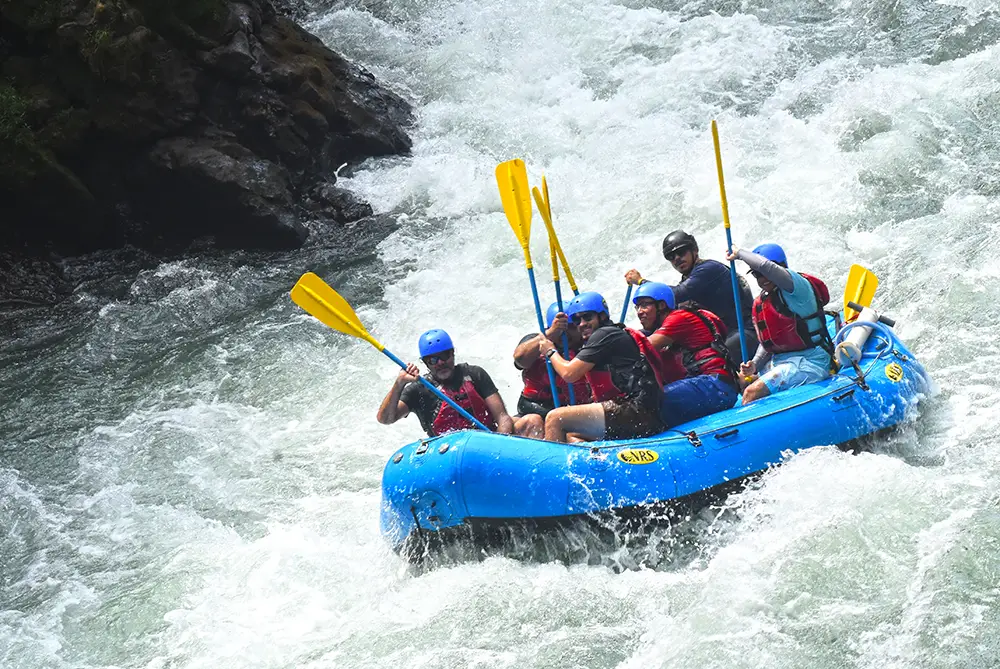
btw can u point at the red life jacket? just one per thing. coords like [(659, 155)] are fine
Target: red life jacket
[(672, 366), (781, 331), (537, 388), (467, 397), (714, 357), (603, 387)]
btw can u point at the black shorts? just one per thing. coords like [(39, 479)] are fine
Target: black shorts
[(628, 419), (527, 406), (733, 344)]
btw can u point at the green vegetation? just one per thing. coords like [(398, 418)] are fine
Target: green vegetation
[(13, 106), (20, 156), (112, 58), (23, 158), (112, 44)]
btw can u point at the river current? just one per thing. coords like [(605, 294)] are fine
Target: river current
[(190, 465)]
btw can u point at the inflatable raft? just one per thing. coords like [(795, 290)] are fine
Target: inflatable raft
[(471, 485)]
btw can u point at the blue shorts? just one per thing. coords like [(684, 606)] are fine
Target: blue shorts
[(694, 397), (792, 371)]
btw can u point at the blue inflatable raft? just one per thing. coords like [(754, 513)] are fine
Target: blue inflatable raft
[(474, 486)]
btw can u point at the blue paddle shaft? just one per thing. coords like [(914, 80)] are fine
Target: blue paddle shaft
[(628, 296), (736, 297), (572, 395), (465, 414), (541, 328)]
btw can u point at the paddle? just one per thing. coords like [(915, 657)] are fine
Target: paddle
[(729, 241), (326, 305), (542, 200), (861, 285), (512, 181), (628, 296)]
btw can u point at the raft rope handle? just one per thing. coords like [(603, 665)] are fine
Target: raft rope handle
[(881, 328), (860, 378), (420, 530), (883, 333), (691, 436)]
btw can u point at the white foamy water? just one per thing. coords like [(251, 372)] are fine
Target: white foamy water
[(190, 466)]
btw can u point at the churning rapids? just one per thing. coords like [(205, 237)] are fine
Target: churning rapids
[(190, 465)]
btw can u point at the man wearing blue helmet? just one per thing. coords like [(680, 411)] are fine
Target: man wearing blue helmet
[(708, 283), (536, 398), (795, 346), (470, 386), (622, 369), (706, 382)]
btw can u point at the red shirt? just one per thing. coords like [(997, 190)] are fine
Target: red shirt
[(685, 330), (689, 333)]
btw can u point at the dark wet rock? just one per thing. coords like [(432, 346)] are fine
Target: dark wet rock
[(337, 203), (214, 185), (296, 10), (167, 123)]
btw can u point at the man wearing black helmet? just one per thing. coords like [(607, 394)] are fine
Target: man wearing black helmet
[(710, 284)]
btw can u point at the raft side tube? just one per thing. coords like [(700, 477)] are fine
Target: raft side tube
[(420, 490), (491, 478), (514, 477)]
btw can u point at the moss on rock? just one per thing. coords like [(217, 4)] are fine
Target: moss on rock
[(92, 90), (13, 107)]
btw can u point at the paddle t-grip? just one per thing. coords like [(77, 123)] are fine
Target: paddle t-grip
[(882, 319)]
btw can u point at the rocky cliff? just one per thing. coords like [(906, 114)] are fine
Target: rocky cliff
[(159, 122)]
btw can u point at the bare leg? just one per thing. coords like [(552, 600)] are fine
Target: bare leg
[(531, 426), (585, 420), (755, 391)]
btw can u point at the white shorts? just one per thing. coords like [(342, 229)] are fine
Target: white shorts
[(793, 371)]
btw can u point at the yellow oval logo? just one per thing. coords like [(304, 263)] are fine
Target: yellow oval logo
[(638, 456), (894, 372)]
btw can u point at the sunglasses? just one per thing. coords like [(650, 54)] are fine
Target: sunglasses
[(674, 255), (576, 319), (444, 356)]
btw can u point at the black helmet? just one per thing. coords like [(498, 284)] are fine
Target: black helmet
[(677, 240)]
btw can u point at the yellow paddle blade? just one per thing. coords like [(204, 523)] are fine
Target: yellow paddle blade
[(326, 305), (861, 285), (545, 209), (554, 257), (512, 180), (542, 200), (565, 265)]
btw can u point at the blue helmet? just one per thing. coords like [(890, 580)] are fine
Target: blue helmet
[(588, 301), (550, 314), (655, 290), (434, 341), (772, 252)]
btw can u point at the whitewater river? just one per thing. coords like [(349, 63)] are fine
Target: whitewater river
[(190, 466)]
